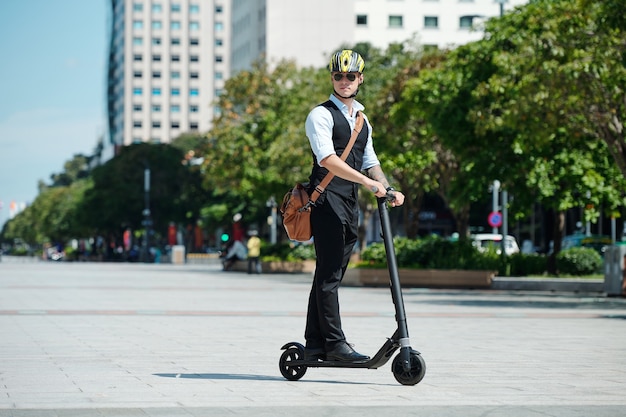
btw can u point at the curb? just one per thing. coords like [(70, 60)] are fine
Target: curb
[(548, 284)]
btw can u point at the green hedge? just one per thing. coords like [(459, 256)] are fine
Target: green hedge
[(432, 253), (579, 261), (438, 253), (287, 252)]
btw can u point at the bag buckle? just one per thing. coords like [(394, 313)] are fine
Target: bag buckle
[(306, 207)]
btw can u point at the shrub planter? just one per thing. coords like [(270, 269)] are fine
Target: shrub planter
[(429, 278)]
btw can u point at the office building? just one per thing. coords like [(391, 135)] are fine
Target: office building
[(168, 60), (308, 31)]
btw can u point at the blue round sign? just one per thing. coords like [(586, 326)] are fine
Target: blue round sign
[(494, 219)]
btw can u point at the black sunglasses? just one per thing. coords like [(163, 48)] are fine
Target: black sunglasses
[(338, 76)]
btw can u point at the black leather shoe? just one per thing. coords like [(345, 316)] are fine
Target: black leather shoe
[(314, 354), (343, 352)]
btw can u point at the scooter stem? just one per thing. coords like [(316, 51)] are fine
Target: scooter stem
[(394, 278)]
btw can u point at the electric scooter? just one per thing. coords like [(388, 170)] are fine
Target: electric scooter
[(408, 366)]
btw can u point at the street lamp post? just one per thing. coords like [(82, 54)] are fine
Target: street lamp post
[(271, 202), (495, 189), (147, 223), (501, 6)]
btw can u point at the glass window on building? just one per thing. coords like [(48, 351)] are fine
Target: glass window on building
[(194, 92), (156, 74), (219, 42), (175, 7), (361, 20), (156, 24), (137, 107), (175, 25), (175, 75), (156, 91), (137, 24), (175, 41), (137, 74), (175, 108), (194, 26), (137, 40), (218, 92), (193, 125), (219, 26), (194, 58), (175, 91), (137, 91), (431, 22), (194, 75), (194, 41), (465, 22), (156, 8), (136, 139), (137, 7), (156, 108), (219, 75), (156, 124), (194, 9), (156, 58), (194, 109), (175, 125), (175, 58), (136, 123), (395, 21), (137, 58), (156, 41), (219, 9), (218, 58)]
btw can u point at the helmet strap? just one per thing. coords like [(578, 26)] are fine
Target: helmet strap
[(352, 96)]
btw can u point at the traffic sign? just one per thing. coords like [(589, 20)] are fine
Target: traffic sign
[(495, 219)]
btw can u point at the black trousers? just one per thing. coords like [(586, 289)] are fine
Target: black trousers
[(334, 241)]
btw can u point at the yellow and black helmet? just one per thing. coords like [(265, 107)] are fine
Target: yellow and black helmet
[(346, 61)]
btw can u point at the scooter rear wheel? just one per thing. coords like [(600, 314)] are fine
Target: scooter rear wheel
[(416, 372), (289, 371)]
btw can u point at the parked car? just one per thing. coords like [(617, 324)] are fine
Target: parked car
[(577, 240), (484, 241)]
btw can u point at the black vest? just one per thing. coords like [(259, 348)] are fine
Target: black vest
[(341, 136)]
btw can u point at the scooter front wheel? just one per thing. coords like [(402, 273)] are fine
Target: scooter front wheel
[(416, 372), (287, 369)]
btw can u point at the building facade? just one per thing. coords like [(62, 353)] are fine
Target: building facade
[(168, 60), (308, 31)]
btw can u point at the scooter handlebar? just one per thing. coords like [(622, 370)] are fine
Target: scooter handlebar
[(389, 197)]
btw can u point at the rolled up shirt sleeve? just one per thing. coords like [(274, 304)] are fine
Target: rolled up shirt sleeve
[(370, 158), (319, 129)]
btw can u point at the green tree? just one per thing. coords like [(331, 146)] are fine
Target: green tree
[(497, 105), (52, 217), (117, 199), (257, 147), (559, 85)]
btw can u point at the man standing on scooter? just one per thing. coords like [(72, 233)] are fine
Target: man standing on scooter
[(334, 219)]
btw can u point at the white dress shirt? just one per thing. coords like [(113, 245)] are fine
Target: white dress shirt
[(319, 129)]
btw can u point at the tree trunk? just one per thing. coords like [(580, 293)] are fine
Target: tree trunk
[(559, 228), (461, 218)]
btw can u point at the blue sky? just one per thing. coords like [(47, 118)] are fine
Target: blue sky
[(52, 89)]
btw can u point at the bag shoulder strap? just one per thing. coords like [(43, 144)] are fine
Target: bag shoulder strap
[(322, 185)]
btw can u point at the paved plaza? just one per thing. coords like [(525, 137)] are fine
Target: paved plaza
[(91, 339)]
